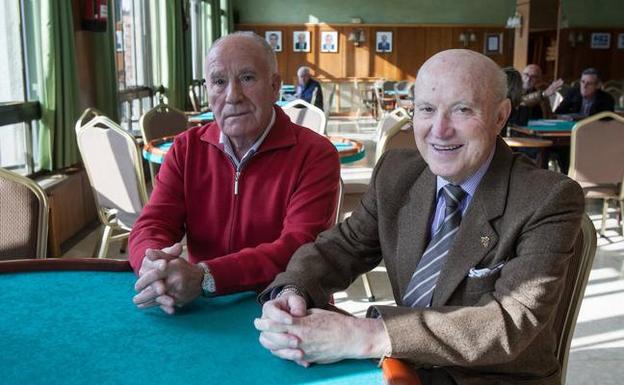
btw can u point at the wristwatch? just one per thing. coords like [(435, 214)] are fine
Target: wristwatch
[(209, 288)]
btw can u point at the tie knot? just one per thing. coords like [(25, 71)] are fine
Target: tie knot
[(453, 194)]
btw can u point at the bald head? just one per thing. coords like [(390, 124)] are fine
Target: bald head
[(471, 68), (460, 106), (246, 40), (531, 76)]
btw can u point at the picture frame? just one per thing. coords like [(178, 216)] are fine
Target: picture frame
[(600, 40), (301, 41), (493, 44), (274, 38), (383, 41), (329, 41), (620, 41)]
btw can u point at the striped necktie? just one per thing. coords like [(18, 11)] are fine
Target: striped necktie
[(420, 289)]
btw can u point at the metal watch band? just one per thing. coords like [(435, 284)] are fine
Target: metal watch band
[(209, 288)]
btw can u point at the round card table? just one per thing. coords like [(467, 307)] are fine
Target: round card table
[(349, 150), (72, 321)]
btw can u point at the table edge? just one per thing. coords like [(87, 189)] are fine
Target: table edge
[(76, 264)]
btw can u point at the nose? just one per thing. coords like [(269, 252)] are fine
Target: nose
[(234, 92), (441, 126)]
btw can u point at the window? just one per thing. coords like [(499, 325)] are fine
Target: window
[(132, 56), (19, 147)]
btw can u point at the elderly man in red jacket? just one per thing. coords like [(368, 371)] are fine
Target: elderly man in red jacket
[(247, 190)]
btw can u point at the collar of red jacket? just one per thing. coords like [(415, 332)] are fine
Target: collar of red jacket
[(281, 135)]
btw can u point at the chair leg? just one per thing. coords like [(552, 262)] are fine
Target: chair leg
[(106, 236), (367, 288), (603, 224)]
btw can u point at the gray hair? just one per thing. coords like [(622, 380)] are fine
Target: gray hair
[(591, 71), (303, 70), (269, 54)]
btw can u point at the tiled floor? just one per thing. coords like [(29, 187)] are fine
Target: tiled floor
[(597, 352)]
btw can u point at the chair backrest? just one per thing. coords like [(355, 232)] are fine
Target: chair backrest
[(23, 217), (113, 163), (329, 100), (162, 121), (197, 94), (596, 151), (388, 121), (579, 268), (396, 132), (307, 115)]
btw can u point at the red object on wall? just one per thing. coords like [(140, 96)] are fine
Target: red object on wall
[(94, 15)]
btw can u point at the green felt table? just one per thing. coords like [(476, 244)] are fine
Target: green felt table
[(558, 131), (81, 327)]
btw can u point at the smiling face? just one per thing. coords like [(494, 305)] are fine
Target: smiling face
[(241, 88), (457, 116)]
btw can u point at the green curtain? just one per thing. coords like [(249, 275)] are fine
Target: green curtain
[(105, 79), (171, 49), (59, 88)]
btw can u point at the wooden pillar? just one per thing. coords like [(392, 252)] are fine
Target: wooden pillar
[(521, 39)]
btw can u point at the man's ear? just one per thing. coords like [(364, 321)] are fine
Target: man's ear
[(502, 114), (276, 85)]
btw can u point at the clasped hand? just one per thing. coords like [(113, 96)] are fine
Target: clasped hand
[(167, 280), (293, 332)]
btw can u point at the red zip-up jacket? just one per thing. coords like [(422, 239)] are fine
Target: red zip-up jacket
[(287, 194)]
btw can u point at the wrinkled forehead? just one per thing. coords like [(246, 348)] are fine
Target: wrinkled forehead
[(236, 58), (588, 78)]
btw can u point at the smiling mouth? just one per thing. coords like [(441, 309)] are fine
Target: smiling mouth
[(450, 147)]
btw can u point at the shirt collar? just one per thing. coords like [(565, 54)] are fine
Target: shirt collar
[(227, 145), (469, 185)]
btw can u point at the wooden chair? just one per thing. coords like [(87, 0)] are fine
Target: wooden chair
[(399, 372), (160, 122), (597, 160), (307, 115), (24, 212), (113, 164), (198, 94)]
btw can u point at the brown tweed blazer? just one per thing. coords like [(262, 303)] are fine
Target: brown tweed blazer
[(492, 329)]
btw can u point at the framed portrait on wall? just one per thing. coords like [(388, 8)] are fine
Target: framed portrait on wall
[(329, 41), (493, 44), (274, 38), (621, 41), (383, 41), (301, 41), (600, 40)]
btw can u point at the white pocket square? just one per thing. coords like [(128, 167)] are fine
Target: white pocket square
[(484, 272)]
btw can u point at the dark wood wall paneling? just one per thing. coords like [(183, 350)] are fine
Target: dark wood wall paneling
[(412, 46), (572, 60)]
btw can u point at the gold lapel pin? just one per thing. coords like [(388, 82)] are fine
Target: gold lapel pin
[(485, 240)]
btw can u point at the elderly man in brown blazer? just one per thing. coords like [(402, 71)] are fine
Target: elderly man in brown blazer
[(492, 234)]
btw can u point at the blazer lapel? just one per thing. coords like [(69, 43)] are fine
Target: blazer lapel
[(413, 220), (476, 236)]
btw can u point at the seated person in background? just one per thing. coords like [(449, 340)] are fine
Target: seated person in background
[(247, 190), (535, 96), (588, 99), (476, 297), (308, 89)]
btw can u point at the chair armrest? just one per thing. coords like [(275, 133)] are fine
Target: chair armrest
[(397, 372)]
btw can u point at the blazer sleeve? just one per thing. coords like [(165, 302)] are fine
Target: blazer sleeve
[(338, 256), (525, 296)]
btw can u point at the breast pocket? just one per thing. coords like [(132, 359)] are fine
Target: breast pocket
[(472, 289)]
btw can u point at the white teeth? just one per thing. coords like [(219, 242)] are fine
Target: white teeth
[(446, 148)]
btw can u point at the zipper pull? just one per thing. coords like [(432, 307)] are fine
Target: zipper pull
[(236, 182)]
